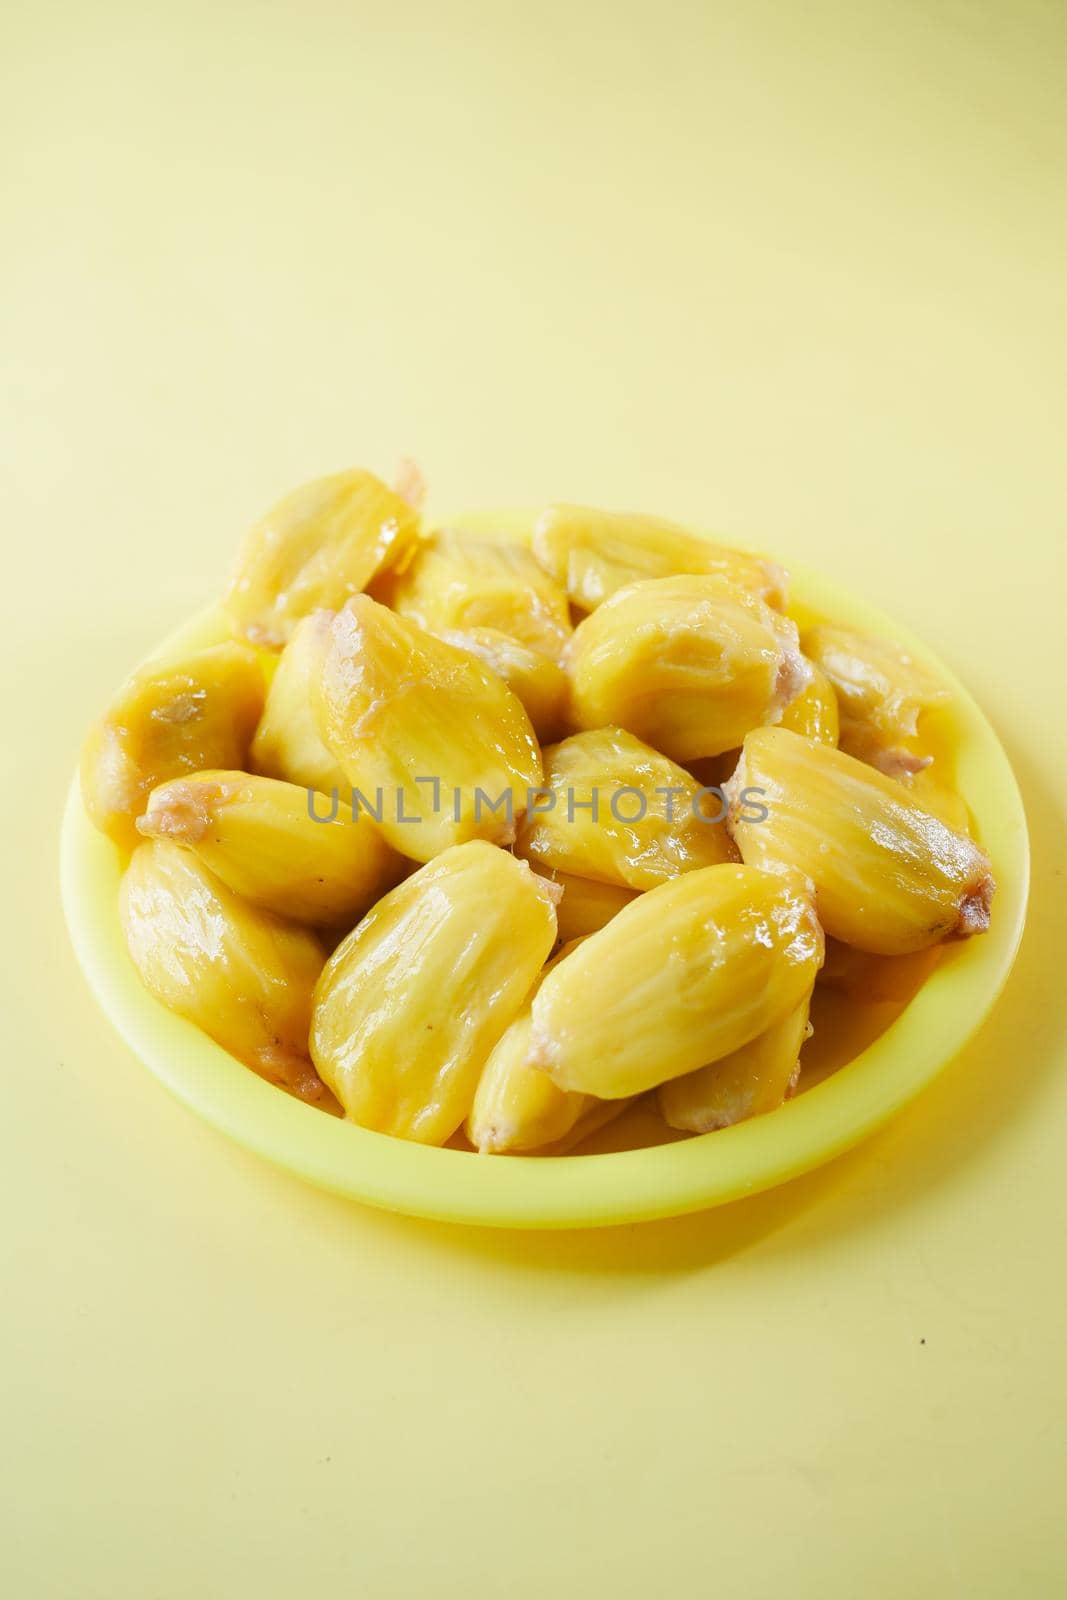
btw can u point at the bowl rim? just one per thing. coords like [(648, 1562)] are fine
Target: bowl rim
[(577, 1191)]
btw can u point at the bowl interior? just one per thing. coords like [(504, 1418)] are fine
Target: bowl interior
[(609, 1185)]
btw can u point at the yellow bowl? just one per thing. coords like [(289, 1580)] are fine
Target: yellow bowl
[(579, 1190)]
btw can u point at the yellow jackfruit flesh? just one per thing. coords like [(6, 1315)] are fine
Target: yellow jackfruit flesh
[(754, 1079), (882, 693), (688, 664), (169, 719), (414, 999), (868, 979), (814, 711), (616, 811), (889, 876), (585, 906), (316, 548), (278, 845), (537, 680), (433, 740), (456, 583), (244, 976), (516, 1107), (689, 972), (593, 554), (287, 743)]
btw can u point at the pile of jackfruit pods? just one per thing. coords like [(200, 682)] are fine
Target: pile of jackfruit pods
[(475, 840)]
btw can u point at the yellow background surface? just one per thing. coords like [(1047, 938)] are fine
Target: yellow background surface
[(795, 271)]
